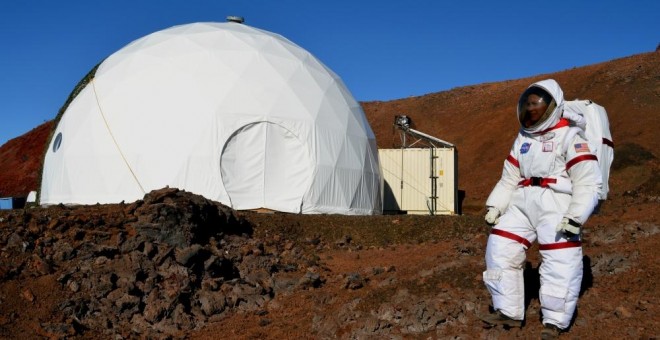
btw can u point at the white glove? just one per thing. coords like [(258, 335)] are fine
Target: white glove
[(492, 216), (568, 227)]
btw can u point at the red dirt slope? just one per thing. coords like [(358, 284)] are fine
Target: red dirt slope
[(20, 161), (480, 119)]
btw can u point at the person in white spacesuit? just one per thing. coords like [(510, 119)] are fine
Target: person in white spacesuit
[(548, 189)]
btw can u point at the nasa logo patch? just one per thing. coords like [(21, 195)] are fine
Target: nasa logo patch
[(525, 147)]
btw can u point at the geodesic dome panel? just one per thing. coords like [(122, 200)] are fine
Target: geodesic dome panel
[(236, 114)]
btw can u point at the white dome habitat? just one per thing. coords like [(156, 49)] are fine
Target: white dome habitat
[(227, 111)]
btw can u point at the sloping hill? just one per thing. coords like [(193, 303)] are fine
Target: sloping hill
[(21, 159), (480, 119)]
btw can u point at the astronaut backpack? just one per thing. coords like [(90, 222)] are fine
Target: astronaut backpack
[(592, 118)]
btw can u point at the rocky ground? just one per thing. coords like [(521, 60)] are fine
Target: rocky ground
[(176, 265)]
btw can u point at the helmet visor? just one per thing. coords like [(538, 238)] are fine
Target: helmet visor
[(535, 106)]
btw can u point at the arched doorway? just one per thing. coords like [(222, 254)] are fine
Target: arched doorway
[(264, 165)]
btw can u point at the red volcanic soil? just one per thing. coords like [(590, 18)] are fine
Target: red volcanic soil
[(21, 158), (175, 265), (480, 120)]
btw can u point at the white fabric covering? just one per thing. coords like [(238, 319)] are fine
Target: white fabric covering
[(236, 114)]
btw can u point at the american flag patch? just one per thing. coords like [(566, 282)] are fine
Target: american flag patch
[(582, 147)]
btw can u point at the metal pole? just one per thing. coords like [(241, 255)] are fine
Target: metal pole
[(434, 180)]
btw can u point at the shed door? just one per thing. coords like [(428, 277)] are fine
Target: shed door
[(264, 165)]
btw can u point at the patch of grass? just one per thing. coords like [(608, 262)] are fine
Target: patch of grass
[(366, 231), (630, 154), (652, 185)]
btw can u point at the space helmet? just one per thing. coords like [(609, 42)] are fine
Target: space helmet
[(545, 93)]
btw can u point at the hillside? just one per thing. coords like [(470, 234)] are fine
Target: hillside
[(21, 159), (480, 119), (175, 265)]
